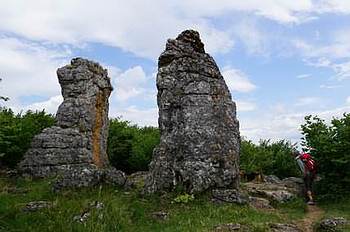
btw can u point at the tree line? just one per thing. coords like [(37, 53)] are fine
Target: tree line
[(130, 147)]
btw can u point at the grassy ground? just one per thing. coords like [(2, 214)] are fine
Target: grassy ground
[(339, 208), (127, 211)]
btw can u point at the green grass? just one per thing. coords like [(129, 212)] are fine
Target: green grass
[(339, 208), (126, 211)]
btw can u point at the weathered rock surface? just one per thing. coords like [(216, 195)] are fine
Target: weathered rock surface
[(84, 216), (160, 215), (88, 177), (332, 224), (228, 227), (37, 205), (278, 227), (292, 184), (228, 196), (200, 141), (78, 141), (260, 203), (274, 192), (136, 180)]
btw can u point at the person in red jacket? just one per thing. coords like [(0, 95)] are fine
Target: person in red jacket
[(307, 166)]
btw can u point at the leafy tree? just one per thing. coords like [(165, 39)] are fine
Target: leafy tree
[(130, 148), (17, 132), (268, 158), (142, 147), (330, 145)]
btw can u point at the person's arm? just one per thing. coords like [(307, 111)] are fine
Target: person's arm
[(300, 164)]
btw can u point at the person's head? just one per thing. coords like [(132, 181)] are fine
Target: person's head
[(295, 153)]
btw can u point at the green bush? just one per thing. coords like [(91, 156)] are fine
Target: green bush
[(331, 149), (269, 158), (183, 198), (130, 147), (17, 132)]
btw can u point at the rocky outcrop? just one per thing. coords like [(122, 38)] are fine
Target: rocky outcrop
[(332, 224), (228, 196), (278, 227), (273, 192), (78, 141), (200, 141)]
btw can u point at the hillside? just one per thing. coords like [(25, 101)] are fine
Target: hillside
[(106, 208)]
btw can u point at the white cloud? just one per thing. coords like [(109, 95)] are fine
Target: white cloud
[(255, 41), (306, 101), (303, 76), (237, 80), (29, 69), (348, 100), (139, 27), (142, 27), (133, 83), (342, 70), (136, 115), (50, 106), (335, 54), (278, 10), (330, 86), (340, 6), (284, 125), (130, 83), (243, 106)]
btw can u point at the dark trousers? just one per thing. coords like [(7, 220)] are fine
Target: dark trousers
[(308, 182)]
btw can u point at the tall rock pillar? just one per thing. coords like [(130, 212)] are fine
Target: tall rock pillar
[(200, 140), (79, 138)]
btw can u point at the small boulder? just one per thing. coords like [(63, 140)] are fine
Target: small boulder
[(37, 205), (160, 215), (136, 180), (272, 179), (278, 227), (332, 224), (228, 196), (227, 227), (114, 177), (274, 192), (259, 203)]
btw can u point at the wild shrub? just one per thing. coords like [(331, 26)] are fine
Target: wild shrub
[(17, 132), (330, 145), (130, 147), (269, 158)]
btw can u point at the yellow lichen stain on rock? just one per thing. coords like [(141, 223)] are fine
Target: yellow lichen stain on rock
[(97, 158)]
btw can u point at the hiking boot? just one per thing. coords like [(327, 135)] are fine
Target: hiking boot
[(311, 203)]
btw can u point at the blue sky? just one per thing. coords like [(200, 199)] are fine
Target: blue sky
[(282, 60)]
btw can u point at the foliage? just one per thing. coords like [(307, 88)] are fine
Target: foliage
[(130, 147), (183, 198), (17, 132), (121, 211), (268, 158), (330, 145)]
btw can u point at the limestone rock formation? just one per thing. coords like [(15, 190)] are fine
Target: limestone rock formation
[(79, 138), (200, 141)]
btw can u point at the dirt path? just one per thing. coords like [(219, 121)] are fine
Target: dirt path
[(313, 214)]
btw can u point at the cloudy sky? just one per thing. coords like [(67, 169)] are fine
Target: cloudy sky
[(281, 59)]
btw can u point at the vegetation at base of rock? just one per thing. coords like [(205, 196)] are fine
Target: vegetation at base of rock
[(17, 132), (269, 158), (183, 198), (123, 211), (130, 147), (330, 145), (337, 208)]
